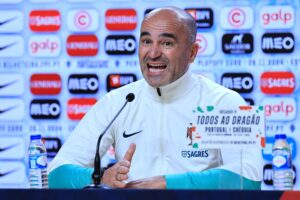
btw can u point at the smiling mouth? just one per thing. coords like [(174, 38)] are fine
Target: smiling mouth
[(156, 68)]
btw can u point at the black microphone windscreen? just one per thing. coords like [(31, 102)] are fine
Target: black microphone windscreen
[(130, 97)]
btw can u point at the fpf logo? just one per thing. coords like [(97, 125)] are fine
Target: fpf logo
[(45, 84), (78, 107), (120, 45), (83, 83), (277, 17), (277, 43), (279, 108), (44, 20), (239, 82), (237, 18), (206, 42), (52, 145), (45, 109), (82, 45), (114, 81), (44, 46), (204, 16), (83, 20), (121, 19), (277, 82)]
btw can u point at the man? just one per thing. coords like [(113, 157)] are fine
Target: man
[(149, 136)]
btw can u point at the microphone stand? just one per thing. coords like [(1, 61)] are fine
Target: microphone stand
[(98, 172)]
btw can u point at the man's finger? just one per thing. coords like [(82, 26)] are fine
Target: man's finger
[(129, 153)]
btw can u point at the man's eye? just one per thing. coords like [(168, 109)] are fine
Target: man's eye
[(145, 42), (168, 44)]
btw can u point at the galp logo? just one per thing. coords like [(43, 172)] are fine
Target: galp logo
[(77, 108), (204, 16), (86, 20), (268, 174), (11, 84), (11, 109), (277, 82), (82, 45), (277, 43), (11, 21), (83, 84), (44, 46), (120, 45), (44, 20), (52, 145), (45, 109), (237, 18), (267, 151), (239, 82), (280, 108), (277, 17), (206, 42), (45, 84), (114, 81), (121, 19), (237, 43), (11, 46)]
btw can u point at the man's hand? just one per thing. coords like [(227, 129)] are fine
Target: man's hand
[(156, 182), (115, 175)]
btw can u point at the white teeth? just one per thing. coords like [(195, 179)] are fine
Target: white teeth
[(156, 65), (155, 70)]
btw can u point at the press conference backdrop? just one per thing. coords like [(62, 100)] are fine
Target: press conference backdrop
[(57, 57)]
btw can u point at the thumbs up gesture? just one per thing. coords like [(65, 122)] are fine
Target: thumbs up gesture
[(115, 175)]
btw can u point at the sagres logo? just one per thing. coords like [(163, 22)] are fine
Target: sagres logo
[(120, 45), (237, 18), (78, 107), (207, 44), (268, 174), (86, 20), (237, 43), (277, 17), (12, 109), (44, 46), (277, 43), (239, 82), (11, 84), (267, 151), (45, 84), (83, 83), (204, 16), (114, 81), (45, 109), (11, 46), (277, 82), (53, 145), (11, 21), (121, 19), (44, 20), (82, 45), (280, 108)]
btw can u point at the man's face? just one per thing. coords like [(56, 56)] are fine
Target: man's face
[(164, 49)]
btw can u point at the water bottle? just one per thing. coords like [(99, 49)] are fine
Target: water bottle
[(37, 162), (282, 164)]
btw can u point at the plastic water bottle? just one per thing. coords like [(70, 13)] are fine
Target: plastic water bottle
[(282, 164), (37, 161)]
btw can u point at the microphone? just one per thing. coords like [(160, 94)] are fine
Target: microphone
[(98, 173)]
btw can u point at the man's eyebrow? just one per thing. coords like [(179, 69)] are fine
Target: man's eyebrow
[(145, 33)]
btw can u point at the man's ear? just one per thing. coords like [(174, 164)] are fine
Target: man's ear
[(194, 51)]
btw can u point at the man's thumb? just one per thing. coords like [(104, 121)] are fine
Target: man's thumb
[(129, 153)]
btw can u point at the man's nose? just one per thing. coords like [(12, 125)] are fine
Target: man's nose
[(154, 51)]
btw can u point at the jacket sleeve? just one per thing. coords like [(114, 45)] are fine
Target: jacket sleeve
[(211, 179), (70, 176)]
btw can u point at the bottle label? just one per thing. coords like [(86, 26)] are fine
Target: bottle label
[(281, 159), (38, 161)]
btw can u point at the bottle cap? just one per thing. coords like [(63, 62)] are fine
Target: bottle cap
[(280, 136), (35, 137)]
